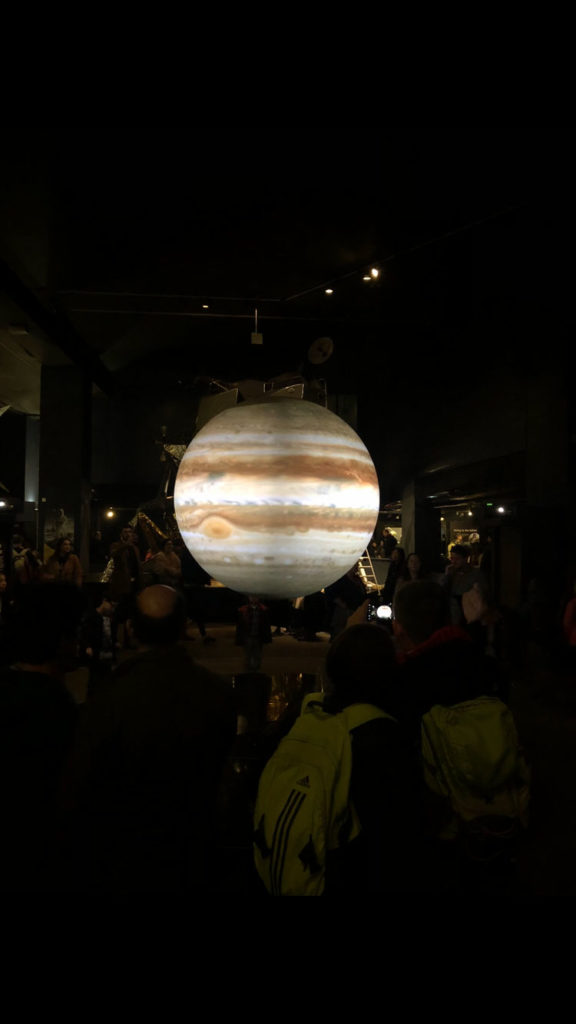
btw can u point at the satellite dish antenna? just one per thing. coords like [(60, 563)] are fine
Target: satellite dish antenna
[(320, 351)]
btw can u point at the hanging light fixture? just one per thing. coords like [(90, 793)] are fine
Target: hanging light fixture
[(255, 337)]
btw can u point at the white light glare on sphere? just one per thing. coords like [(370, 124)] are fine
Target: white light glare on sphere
[(278, 498)]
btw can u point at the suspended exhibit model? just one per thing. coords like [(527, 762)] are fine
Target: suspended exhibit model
[(277, 498)]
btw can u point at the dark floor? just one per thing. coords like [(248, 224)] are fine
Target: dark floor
[(285, 655)]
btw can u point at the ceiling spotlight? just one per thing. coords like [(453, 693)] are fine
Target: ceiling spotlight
[(329, 291), (500, 508), (470, 513), (374, 272), (110, 513)]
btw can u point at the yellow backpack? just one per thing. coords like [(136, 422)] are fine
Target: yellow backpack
[(303, 807), (471, 756)]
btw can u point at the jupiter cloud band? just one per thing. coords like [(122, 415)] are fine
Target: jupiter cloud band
[(278, 498)]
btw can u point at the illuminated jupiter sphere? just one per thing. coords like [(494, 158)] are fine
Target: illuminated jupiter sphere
[(277, 498)]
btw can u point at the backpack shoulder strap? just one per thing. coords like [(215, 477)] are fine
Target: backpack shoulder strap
[(352, 716), (358, 714)]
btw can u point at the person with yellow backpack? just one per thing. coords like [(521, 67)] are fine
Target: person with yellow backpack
[(476, 777), (337, 810)]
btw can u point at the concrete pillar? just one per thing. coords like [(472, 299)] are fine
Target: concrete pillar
[(64, 487), (509, 565), (548, 536), (420, 526), (31, 478)]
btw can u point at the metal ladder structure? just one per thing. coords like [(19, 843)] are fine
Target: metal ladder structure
[(366, 573)]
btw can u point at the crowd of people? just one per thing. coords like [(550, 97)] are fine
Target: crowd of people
[(125, 793), (122, 568), (118, 794)]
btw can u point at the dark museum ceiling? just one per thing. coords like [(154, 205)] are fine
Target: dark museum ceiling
[(109, 260)]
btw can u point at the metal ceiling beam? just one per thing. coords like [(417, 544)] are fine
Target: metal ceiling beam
[(57, 329)]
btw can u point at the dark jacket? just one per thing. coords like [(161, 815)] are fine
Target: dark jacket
[(446, 669), (92, 634), (126, 577), (148, 759), (246, 616), (37, 721), (385, 790)]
